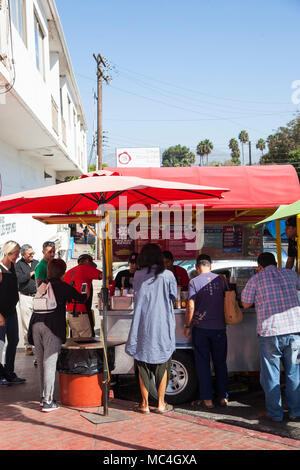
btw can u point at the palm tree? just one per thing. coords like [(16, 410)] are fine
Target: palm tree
[(261, 145), (235, 151), (205, 147), (244, 138)]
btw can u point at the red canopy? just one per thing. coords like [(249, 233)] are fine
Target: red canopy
[(265, 186), (94, 189)]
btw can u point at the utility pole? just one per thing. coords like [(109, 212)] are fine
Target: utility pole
[(100, 76), (250, 155)]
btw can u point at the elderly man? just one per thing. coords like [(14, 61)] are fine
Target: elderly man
[(25, 271), (274, 293)]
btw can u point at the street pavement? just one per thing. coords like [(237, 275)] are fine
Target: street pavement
[(25, 427)]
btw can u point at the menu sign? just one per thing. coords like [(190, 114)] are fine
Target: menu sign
[(232, 238), (213, 236), (253, 242), (122, 246)]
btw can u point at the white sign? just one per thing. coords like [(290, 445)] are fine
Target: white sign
[(138, 157)]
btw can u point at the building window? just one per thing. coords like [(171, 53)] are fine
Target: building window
[(39, 46), (18, 15)]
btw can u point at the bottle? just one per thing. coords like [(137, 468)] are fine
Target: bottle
[(178, 300), (117, 292)]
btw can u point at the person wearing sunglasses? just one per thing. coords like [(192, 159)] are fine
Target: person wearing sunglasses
[(25, 271)]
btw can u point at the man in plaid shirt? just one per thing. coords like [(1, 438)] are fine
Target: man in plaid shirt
[(274, 293)]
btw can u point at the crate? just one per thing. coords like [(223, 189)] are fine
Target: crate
[(121, 303)]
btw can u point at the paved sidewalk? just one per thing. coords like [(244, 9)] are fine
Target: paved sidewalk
[(25, 427)]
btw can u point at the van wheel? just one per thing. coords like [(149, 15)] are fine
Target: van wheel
[(182, 385)]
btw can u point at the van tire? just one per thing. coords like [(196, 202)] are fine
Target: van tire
[(182, 386)]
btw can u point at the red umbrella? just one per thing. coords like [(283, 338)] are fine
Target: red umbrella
[(94, 190)]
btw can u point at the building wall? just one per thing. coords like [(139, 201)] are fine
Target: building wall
[(42, 115), (17, 178), (45, 93)]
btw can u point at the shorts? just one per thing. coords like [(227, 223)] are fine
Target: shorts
[(146, 371)]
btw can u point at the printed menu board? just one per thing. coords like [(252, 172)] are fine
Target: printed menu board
[(213, 236), (122, 245), (253, 245), (232, 238)]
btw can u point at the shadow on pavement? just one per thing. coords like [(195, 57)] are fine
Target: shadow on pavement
[(246, 408)]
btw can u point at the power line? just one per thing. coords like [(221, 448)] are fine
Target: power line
[(197, 91)]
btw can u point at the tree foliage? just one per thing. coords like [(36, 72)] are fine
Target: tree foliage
[(261, 145), (235, 151), (178, 156), (284, 146), (244, 138), (204, 147)]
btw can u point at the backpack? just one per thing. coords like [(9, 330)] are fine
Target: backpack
[(44, 300)]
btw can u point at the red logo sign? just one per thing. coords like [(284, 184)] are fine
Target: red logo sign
[(124, 158)]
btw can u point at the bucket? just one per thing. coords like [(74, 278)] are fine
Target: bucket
[(81, 390)]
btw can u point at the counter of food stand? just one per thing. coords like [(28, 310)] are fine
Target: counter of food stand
[(243, 352)]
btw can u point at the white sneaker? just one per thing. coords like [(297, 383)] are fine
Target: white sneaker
[(52, 406)]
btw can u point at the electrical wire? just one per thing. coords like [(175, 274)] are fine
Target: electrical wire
[(197, 91)]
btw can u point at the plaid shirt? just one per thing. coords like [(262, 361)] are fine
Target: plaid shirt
[(274, 293)]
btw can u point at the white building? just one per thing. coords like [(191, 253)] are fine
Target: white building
[(42, 123)]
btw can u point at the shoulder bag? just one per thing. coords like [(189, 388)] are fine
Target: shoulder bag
[(232, 312)]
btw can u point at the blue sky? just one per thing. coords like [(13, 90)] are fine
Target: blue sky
[(186, 71)]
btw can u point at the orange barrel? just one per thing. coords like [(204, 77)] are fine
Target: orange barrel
[(81, 390), (81, 373)]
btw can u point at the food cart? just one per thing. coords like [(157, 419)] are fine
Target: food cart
[(229, 234)]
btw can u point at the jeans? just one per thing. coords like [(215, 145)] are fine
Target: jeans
[(210, 344), (273, 349), (11, 331)]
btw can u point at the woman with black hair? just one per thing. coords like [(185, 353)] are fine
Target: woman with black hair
[(151, 339)]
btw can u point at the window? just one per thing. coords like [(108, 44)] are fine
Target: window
[(18, 15), (39, 46), (69, 112)]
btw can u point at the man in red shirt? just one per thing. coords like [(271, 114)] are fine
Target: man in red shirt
[(180, 273), (81, 277)]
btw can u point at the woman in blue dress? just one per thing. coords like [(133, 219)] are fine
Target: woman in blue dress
[(151, 339)]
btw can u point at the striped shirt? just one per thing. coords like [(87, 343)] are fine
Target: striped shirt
[(274, 293)]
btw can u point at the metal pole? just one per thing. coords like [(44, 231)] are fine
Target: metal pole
[(250, 154), (278, 243), (298, 244), (99, 61), (104, 313)]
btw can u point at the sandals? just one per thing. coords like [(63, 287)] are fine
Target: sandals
[(223, 402), (201, 404), (139, 409), (166, 409)]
